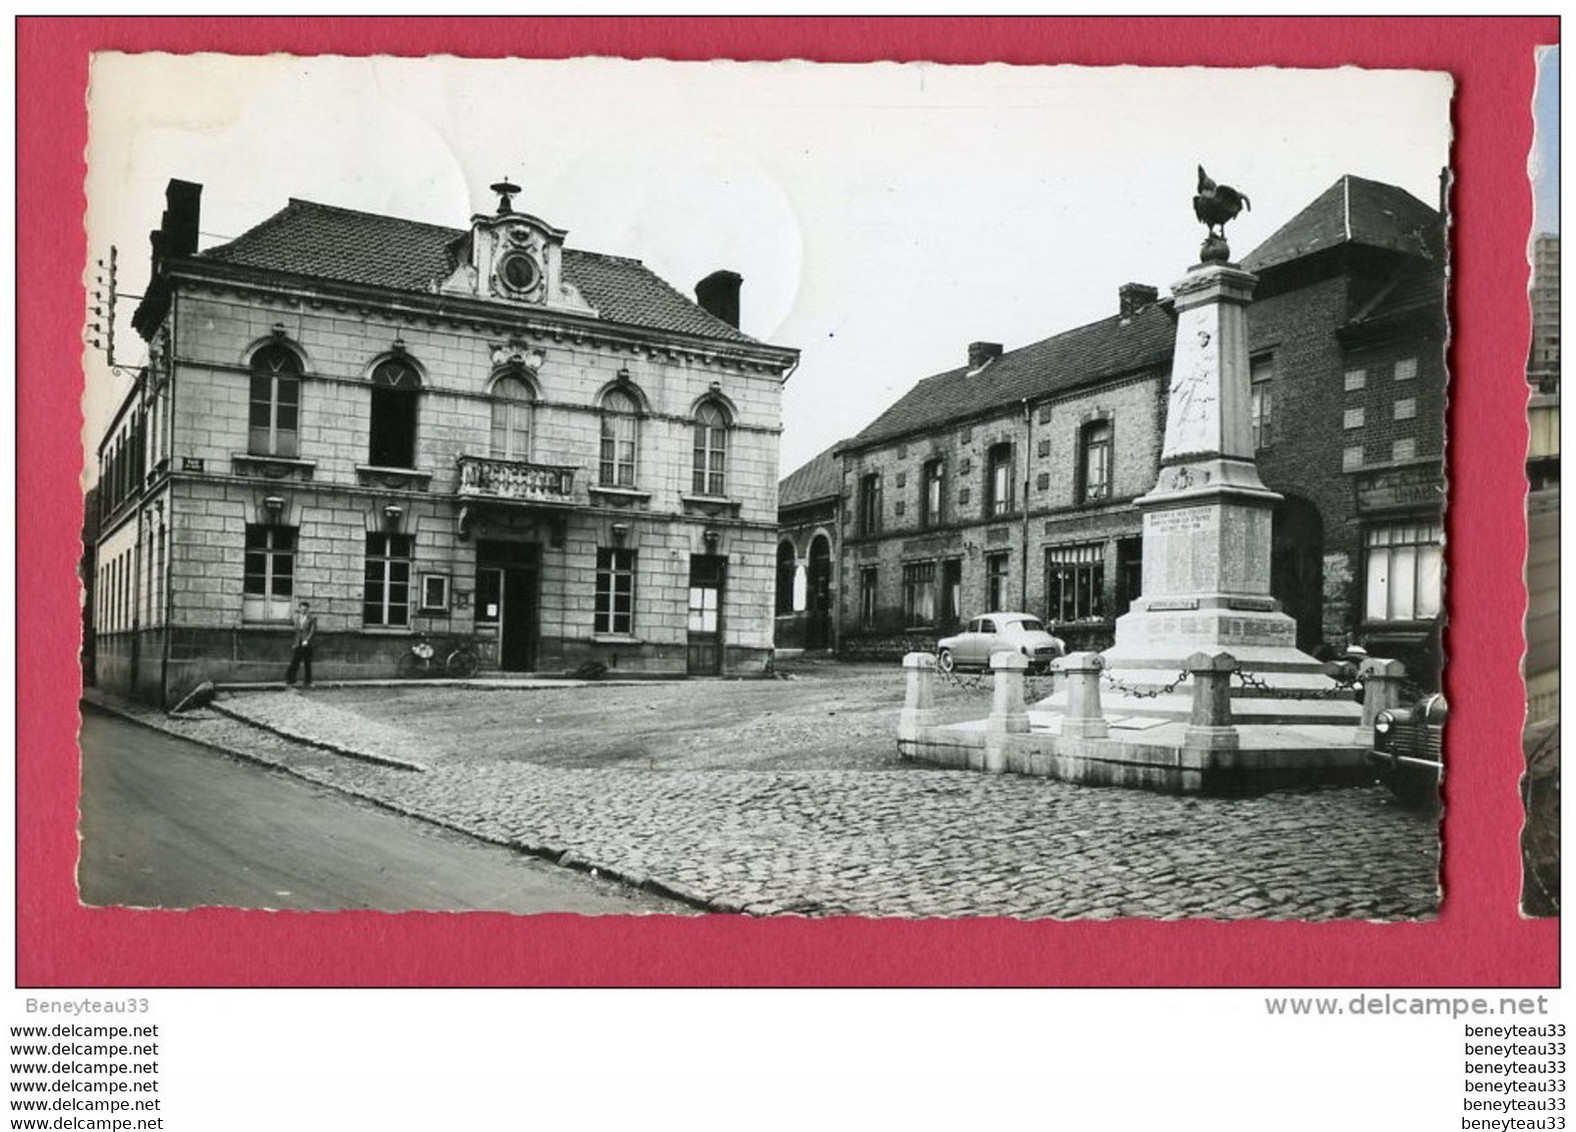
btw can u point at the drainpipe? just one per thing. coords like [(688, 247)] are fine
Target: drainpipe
[(1028, 449), (169, 510)]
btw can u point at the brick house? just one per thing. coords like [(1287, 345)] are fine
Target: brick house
[(473, 433), (1008, 482)]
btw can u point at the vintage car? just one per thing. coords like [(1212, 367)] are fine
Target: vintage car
[(1409, 753), (999, 632)]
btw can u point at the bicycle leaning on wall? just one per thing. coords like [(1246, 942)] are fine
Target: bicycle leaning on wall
[(431, 661)]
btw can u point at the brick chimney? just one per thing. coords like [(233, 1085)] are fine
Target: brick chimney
[(174, 238), (718, 294), (1134, 297), (981, 353)]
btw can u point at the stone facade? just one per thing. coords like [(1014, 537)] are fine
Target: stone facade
[(488, 463)]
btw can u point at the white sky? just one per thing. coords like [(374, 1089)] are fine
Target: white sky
[(883, 215)]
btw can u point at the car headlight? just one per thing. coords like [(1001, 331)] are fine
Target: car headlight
[(1383, 724)]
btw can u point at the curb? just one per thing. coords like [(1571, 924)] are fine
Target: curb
[(555, 855), (321, 744)]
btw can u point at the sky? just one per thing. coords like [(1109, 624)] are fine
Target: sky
[(883, 215), (1545, 164)]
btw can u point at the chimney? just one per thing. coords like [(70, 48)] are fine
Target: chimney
[(718, 295), (1134, 297), (982, 354), (182, 205)]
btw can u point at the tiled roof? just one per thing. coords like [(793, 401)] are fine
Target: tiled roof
[(325, 242), (1353, 210), (1103, 349), (820, 478)]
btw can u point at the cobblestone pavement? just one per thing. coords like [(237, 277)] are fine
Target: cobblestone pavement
[(872, 836)]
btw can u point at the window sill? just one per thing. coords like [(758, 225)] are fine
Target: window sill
[(374, 475), (633, 494), (389, 630), (615, 639), (710, 504), (274, 467)]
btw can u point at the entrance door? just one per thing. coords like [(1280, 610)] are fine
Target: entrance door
[(707, 573), (517, 636), (1297, 567), (818, 632), (507, 593)]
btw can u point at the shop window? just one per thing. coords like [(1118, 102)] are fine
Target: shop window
[(1075, 582), (615, 591), (620, 439), (395, 389), (274, 415), (386, 590), (1404, 567), (919, 594)]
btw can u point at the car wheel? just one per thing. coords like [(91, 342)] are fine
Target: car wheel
[(944, 660)]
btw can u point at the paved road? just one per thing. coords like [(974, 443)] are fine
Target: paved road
[(167, 823)]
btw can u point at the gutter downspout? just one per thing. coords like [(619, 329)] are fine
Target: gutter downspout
[(1028, 449), (169, 511)]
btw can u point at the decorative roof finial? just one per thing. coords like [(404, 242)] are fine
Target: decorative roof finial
[(506, 192), (1215, 205)]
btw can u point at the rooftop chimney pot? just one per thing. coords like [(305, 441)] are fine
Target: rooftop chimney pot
[(982, 353), (1134, 297), (718, 295)]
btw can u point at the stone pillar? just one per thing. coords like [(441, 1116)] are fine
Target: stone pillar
[(1381, 691), (1008, 715), (1210, 727), (919, 700), (1084, 719)]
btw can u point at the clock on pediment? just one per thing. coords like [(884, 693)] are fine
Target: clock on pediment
[(515, 257), (518, 269)]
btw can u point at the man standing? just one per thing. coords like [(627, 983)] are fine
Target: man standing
[(301, 653)]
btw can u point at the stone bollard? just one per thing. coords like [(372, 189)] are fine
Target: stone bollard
[(919, 700), (1084, 718), (1210, 727), (1382, 681), (1008, 715)]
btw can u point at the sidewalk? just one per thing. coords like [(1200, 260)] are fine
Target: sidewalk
[(870, 842)]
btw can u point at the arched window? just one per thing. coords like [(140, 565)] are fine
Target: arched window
[(395, 388), (274, 418), (513, 402), (620, 438), (711, 450)]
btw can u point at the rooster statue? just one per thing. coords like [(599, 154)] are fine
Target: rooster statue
[(1216, 204)]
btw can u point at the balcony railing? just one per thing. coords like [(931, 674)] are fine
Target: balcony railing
[(484, 477)]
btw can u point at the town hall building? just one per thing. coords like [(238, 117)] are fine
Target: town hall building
[(477, 434)]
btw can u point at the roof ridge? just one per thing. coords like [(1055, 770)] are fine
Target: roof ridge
[(295, 201)]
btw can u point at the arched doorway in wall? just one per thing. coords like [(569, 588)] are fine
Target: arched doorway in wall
[(1297, 567), (818, 603)]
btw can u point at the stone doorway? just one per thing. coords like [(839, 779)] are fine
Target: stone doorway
[(818, 596)]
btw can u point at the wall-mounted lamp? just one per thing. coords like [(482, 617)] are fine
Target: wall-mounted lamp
[(716, 387), (710, 536), (399, 344), (623, 375), (279, 330), (391, 516), (620, 532), (273, 505)]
